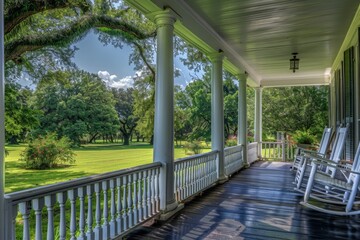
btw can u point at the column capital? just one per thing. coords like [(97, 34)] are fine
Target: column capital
[(163, 18), (258, 89), (242, 76), (216, 56)]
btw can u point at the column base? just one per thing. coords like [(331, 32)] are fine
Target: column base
[(223, 179), (175, 207)]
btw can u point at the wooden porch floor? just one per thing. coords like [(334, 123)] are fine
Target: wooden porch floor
[(257, 203)]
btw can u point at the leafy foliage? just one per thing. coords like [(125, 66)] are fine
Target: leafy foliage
[(75, 104), (48, 152), (125, 110), (303, 137), (193, 147), (20, 118), (295, 108)]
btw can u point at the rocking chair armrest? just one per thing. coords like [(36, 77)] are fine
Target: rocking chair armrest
[(314, 154), (341, 166), (303, 150)]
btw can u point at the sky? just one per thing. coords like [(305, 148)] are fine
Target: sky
[(112, 64)]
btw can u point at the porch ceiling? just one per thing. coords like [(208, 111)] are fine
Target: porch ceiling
[(258, 36)]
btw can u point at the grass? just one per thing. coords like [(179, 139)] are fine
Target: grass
[(91, 159)]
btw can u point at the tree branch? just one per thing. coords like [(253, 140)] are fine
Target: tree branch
[(18, 11), (14, 49)]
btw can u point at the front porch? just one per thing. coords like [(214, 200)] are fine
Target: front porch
[(257, 203)]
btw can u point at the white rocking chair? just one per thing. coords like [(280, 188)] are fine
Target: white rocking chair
[(324, 144), (302, 172), (335, 196)]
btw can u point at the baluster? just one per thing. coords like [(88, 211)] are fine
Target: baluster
[(112, 209), (197, 174), (130, 201), (157, 197), (152, 192), (144, 201), (50, 202), (140, 197), (193, 179), (97, 230), (202, 173), (81, 195), (188, 180), (72, 197), (105, 225), (135, 203), (61, 198), (24, 209), (89, 221), (119, 205), (37, 205), (181, 180), (125, 206), (177, 181), (148, 198)]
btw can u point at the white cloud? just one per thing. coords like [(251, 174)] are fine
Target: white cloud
[(114, 81), (125, 83)]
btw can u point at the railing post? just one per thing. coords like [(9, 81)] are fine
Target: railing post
[(217, 112), (3, 224), (164, 111)]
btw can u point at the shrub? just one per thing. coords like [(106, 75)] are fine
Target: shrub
[(48, 152), (303, 137), (230, 142), (193, 147)]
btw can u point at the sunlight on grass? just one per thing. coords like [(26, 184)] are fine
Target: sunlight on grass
[(91, 159)]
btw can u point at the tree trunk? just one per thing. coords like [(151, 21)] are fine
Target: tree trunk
[(152, 140), (93, 138), (126, 139)]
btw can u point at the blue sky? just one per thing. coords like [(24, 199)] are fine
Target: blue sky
[(112, 64)]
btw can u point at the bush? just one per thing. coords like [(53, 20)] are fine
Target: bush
[(230, 142), (48, 152), (303, 137), (193, 147)]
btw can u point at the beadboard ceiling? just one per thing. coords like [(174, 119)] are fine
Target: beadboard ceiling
[(258, 36)]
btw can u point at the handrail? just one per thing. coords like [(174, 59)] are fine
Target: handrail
[(191, 158)]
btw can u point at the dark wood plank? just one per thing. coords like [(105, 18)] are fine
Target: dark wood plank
[(256, 203)]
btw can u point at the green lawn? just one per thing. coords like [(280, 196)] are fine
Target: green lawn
[(90, 159)]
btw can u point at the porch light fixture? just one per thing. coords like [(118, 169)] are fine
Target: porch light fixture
[(294, 62)]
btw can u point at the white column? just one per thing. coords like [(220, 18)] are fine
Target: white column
[(258, 119), (217, 112), (2, 125), (242, 118), (164, 108)]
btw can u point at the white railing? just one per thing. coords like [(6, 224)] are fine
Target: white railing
[(194, 174), (97, 207), (252, 152), (282, 150), (109, 205), (233, 159)]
